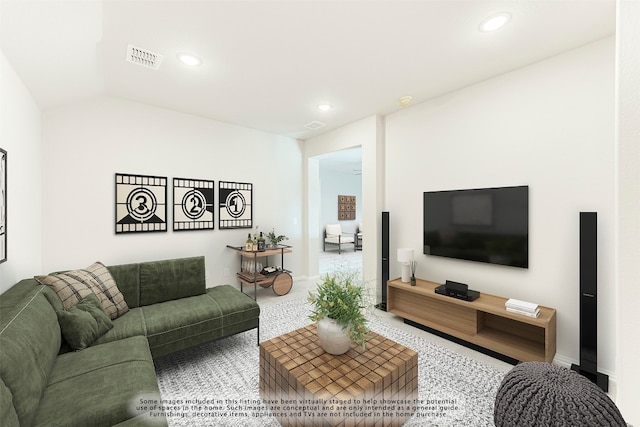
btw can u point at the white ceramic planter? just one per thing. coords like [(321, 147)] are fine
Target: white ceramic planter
[(333, 339)]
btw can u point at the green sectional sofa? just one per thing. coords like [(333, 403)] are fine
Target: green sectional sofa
[(45, 383)]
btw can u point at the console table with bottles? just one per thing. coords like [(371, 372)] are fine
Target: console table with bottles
[(253, 272)]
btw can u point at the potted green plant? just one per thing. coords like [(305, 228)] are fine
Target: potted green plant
[(338, 306), (274, 240)]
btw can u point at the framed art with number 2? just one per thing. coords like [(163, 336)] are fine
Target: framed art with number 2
[(193, 204), (141, 203), (3, 205)]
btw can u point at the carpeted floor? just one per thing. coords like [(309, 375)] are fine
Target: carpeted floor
[(218, 373)]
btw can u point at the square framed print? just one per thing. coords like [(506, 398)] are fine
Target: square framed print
[(346, 208), (193, 204), (235, 201), (141, 203), (3, 205)]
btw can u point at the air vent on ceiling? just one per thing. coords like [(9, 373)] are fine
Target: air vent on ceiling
[(143, 57), (314, 125)]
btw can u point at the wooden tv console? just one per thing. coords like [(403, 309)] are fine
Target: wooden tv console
[(484, 322)]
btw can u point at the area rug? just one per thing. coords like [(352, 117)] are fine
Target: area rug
[(216, 384)]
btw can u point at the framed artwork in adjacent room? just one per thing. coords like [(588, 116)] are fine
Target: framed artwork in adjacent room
[(193, 204), (346, 208), (141, 203), (235, 205), (3, 205)]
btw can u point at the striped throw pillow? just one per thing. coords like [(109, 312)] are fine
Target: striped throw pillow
[(73, 286)]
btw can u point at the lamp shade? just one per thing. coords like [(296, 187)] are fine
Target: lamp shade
[(405, 254)]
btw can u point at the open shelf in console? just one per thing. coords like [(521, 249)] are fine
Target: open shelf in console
[(484, 322)]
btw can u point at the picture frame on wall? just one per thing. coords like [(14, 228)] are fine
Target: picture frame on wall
[(141, 203), (3, 205), (235, 201), (346, 208), (193, 205)]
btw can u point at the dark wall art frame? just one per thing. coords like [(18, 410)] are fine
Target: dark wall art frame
[(3, 206), (235, 201), (193, 204), (141, 203)]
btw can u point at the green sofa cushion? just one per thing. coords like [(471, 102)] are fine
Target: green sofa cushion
[(29, 340), (170, 323), (84, 323), (129, 325), (99, 385), (15, 296), (8, 416), (127, 276), (179, 324), (237, 306), (168, 280)]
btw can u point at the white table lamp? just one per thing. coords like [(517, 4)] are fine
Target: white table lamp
[(405, 256)]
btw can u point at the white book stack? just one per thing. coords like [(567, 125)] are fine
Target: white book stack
[(522, 307)]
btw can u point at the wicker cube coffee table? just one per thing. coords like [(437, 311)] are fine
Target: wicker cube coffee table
[(305, 386)]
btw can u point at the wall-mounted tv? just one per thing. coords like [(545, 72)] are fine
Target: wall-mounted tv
[(486, 225)]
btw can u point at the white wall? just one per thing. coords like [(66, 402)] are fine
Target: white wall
[(628, 205), (20, 136), (85, 144), (334, 184), (549, 126)]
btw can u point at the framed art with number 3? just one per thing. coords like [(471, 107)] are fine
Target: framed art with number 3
[(193, 204), (141, 203), (3, 205), (236, 205)]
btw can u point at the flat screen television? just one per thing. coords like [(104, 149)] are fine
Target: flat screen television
[(486, 225)]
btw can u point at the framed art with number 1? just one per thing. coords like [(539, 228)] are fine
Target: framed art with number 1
[(3, 205), (235, 201), (193, 204), (141, 203)]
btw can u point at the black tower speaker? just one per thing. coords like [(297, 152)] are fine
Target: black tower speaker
[(384, 260), (589, 301)]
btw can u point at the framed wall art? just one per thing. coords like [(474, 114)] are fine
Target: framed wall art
[(235, 205), (346, 208), (193, 204), (3, 205), (141, 203)]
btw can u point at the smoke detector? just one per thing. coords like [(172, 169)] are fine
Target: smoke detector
[(405, 101), (314, 125), (143, 57)]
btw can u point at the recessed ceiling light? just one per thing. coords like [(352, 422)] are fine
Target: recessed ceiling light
[(325, 107), (189, 59), (495, 22)]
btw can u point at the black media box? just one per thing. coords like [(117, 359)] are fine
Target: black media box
[(457, 290)]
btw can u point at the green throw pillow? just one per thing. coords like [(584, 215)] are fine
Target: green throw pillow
[(84, 323)]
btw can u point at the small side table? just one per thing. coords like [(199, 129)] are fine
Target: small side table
[(358, 241), (280, 281)]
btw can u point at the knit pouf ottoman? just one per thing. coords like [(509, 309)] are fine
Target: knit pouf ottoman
[(542, 394)]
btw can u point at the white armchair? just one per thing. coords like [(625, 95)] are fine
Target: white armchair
[(333, 235)]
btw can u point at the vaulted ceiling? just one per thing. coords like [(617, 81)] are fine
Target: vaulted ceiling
[(268, 64)]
